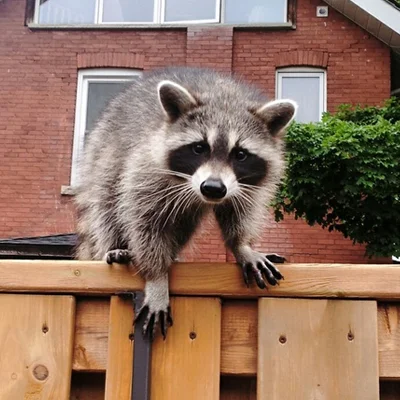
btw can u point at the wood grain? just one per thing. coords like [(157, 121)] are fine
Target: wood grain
[(317, 349), (205, 279), (36, 342), (239, 337), (120, 350), (187, 364), (91, 334), (389, 340)]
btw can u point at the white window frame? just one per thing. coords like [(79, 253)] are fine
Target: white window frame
[(159, 15), (86, 76), (304, 72)]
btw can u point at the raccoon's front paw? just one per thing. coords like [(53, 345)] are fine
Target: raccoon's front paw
[(261, 267), (118, 256), (155, 308), (154, 318)]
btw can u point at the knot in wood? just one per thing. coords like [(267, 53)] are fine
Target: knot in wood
[(40, 372)]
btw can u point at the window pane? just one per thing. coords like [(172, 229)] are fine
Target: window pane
[(255, 11), (128, 11), (306, 92), (99, 95), (67, 12), (189, 10)]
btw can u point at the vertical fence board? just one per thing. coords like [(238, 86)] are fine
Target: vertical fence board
[(317, 349), (187, 364), (36, 343), (91, 331), (389, 340), (239, 337), (120, 350)]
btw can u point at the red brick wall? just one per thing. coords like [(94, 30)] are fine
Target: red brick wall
[(38, 78)]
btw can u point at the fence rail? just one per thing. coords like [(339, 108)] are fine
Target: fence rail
[(328, 331)]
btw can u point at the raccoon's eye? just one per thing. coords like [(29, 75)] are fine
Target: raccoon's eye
[(241, 155), (199, 148)]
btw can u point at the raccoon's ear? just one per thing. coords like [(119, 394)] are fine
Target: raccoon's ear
[(175, 99), (277, 115)]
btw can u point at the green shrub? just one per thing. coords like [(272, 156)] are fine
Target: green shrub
[(344, 174)]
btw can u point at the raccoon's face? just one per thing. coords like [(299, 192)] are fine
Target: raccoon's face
[(223, 152)]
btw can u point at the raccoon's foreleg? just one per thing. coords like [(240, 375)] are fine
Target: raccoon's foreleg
[(156, 308), (156, 301), (237, 233)]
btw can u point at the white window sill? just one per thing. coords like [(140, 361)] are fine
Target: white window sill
[(277, 25), (68, 190)]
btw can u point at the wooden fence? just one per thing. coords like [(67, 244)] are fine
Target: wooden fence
[(328, 332)]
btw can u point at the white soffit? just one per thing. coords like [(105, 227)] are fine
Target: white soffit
[(378, 17)]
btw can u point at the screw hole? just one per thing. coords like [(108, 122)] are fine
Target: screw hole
[(45, 328), (350, 336), (282, 339), (192, 335), (131, 336)]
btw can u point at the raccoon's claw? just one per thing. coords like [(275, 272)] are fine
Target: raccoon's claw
[(153, 320), (263, 270), (118, 256), (275, 258), (275, 271)]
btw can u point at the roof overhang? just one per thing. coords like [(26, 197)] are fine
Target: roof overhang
[(378, 17)]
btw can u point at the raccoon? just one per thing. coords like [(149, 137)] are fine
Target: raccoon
[(177, 144)]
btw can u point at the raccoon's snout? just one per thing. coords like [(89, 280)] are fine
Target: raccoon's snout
[(213, 189)]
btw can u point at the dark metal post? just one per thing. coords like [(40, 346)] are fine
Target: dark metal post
[(141, 357)]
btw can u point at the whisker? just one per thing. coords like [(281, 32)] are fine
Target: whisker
[(171, 172), (175, 199), (247, 186), (178, 204)]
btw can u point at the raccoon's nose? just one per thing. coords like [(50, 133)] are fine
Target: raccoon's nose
[(213, 189)]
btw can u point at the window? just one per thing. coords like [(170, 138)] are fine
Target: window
[(306, 86), (96, 87), (75, 12), (255, 11)]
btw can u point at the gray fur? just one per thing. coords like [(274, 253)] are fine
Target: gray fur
[(127, 197)]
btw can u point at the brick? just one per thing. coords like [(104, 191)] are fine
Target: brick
[(38, 75)]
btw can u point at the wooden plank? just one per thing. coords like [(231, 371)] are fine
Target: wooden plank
[(205, 279), (317, 349), (373, 25), (385, 34), (91, 334), (36, 342), (87, 386), (239, 337), (389, 340), (120, 350), (192, 349), (234, 388), (350, 10)]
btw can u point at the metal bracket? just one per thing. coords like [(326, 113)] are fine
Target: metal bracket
[(142, 356), (142, 352)]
